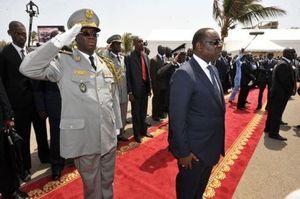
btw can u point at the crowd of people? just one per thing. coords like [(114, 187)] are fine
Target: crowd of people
[(85, 97)]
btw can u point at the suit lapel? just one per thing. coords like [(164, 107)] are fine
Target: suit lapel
[(207, 83)]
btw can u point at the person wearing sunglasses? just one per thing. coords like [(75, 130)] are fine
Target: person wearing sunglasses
[(90, 117), (197, 115)]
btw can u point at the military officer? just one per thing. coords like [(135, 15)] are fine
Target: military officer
[(90, 117), (114, 53)]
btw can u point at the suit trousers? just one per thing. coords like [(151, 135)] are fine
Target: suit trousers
[(139, 113), (276, 109), (9, 180), (243, 95), (97, 173), (23, 119), (191, 183), (40, 130), (124, 108), (57, 162)]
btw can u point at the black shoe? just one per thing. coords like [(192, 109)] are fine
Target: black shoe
[(121, 137), (298, 126), (45, 161), (241, 108), (148, 135), (138, 139), (19, 195), (258, 107), (56, 174), (277, 137), (283, 123), (156, 119), (148, 124), (26, 176)]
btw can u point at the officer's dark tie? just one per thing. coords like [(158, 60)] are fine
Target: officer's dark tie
[(22, 54), (118, 57), (92, 62), (213, 80)]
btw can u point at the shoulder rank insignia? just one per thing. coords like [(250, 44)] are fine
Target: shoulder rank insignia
[(77, 58)]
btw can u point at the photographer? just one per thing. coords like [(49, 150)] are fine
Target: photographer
[(9, 180)]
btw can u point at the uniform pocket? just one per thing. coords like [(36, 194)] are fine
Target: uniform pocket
[(68, 124)]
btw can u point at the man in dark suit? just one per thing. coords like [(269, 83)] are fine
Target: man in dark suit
[(158, 84), (167, 71), (283, 87), (247, 80), (9, 179), (197, 116), (265, 78), (222, 64), (20, 95), (139, 87)]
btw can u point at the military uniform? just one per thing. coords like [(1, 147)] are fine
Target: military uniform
[(119, 63), (90, 113)]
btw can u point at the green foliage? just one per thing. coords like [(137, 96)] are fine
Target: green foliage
[(127, 43), (228, 13)]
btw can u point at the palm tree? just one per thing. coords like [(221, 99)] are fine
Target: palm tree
[(34, 37), (127, 42), (228, 12)]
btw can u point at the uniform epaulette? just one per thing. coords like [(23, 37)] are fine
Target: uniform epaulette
[(117, 73), (66, 52)]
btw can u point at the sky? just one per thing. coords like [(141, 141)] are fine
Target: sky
[(138, 17)]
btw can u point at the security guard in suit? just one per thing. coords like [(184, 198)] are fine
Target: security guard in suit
[(114, 54), (90, 117)]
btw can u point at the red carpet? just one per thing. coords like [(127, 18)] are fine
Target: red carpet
[(148, 170)]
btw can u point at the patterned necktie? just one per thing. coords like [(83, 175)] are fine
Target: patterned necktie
[(213, 80), (22, 54), (92, 62), (144, 70)]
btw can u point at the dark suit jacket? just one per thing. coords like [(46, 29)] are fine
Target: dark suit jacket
[(134, 74), (5, 108), (196, 114), (283, 81), (158, 82), (247, 75), (47, 97), (265, 72), (223, 67), (18, 87)]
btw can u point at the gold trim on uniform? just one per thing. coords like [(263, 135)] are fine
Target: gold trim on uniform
[(117, 73), (77, 58), (79, 72), (89, 14)]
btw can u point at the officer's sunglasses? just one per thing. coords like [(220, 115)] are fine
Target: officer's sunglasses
[(89, 34), (216, 42)]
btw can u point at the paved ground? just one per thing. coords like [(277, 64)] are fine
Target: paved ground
[(274, 169), (272, 172)]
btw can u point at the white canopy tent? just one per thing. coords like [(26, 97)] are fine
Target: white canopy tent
[(272, 40), (256, 45)]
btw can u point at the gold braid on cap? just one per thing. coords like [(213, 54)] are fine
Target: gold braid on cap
[(117, 73)]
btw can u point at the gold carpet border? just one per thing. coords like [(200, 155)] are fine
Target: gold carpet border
[(53, 185), (232, 154), (69, 177), (124, 149)]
